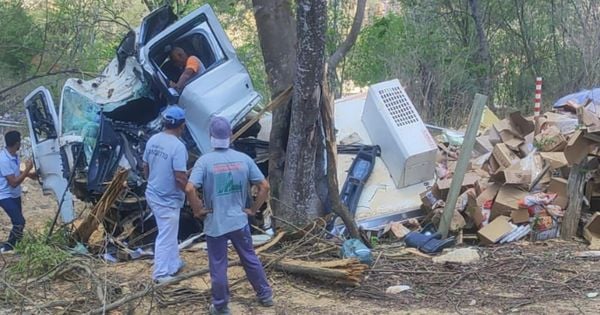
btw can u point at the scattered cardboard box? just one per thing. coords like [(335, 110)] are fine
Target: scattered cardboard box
[(519, 216), (494, 136), (507, 200), (494, 231), (564, 123), (555, 159), (577, 148), (488, 194), (559, 187), (527, 147), (550, 140), (591, 231), (504, 156), (483, 145), (522, 125), (474, 212)]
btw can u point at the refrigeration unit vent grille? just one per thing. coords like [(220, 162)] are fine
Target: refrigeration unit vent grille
[(399, 106)]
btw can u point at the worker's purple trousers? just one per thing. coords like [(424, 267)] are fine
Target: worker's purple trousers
[(217, 260)]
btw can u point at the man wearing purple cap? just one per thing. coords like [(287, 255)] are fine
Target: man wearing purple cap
[(224, 175), (165, 166)]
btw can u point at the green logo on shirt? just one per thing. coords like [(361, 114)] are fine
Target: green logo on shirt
[(225, 185)]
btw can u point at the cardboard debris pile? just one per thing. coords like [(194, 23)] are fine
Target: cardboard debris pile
[(516, 183)]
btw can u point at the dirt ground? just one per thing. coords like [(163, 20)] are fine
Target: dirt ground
[(526, 278)]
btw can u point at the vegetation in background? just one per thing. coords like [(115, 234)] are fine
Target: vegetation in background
[(431, 46)]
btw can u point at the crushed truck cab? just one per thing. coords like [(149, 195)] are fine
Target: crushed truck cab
[(105, 122)]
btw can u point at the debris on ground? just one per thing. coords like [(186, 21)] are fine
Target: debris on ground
[(459, 256)]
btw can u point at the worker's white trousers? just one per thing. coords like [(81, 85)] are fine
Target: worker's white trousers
[(166, 251)]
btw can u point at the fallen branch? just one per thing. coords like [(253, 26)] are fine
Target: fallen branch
[(96, 216), (345, 271)]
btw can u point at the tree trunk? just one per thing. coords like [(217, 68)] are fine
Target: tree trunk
[(575, 187), (334, 201), (299, 187), (277, 33), (335, 83)]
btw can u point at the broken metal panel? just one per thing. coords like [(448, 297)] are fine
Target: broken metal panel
[(112, 88), (82, 101)]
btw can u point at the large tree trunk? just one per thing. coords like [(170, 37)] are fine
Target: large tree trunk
[(299, 187), (277, 33)]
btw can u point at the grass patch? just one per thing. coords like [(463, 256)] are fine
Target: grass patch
[(36, 256)]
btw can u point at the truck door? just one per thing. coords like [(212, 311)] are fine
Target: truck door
[(44, 132)]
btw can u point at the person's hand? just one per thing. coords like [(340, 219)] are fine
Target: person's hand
[(250, 212), (28, 166), (172, 84), (200, 213)]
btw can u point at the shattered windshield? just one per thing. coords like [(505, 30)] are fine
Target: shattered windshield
[(80, 117)]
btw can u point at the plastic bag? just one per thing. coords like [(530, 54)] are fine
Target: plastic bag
[(537, 203), (354, 248)]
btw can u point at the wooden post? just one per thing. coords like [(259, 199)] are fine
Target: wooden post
[(575, 186), (463, 162)]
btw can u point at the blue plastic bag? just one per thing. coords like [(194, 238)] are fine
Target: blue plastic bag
[(354, 248)]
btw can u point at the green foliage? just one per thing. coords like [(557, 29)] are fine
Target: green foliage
[(20, 36), (433, 48), (36, 256)]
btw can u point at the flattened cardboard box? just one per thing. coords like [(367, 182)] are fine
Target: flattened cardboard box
[(494, 231), (559, 187), (507, 200)]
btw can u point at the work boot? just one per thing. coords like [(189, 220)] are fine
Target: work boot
[(266, 302), (212, 310)]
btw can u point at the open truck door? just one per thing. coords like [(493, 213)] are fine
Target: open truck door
[(224, 88), (45, 145)]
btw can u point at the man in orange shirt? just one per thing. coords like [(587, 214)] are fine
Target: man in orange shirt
[(191, 66)]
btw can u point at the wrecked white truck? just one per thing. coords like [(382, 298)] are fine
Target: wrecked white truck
[(104, 123)]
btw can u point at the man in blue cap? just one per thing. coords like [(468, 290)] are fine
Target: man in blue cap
[(165, 166), (224, 175)]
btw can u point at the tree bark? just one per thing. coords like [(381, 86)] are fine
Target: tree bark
[(277, 34), (575, 187), (299, 187)]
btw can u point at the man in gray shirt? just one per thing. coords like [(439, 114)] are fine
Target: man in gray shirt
[(224, 175), (165, 159)]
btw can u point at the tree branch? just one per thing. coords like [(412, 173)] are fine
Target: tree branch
[(344, 48), (38, 76)]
